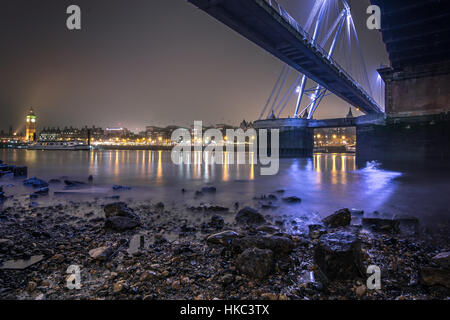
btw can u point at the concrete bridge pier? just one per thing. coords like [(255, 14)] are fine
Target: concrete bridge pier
[(416, 128), (296, 137)]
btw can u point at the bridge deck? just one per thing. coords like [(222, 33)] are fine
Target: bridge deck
[(268, 25)]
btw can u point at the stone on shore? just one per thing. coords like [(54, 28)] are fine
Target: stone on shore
[(316, 231), (101, 253), (147, 275), (73, 183), (120, 188), (361, 290), (256, 263), (118, 209), (341, 218), (435, 276), (223, 238), (217, 222), (292, 199), (279, 245), (442, 259), (270, 229), (339, 256), (31, 286), (381, 225), (209, 190), (35, 183), (5, 245), (119, 223), (42, 191), (208, 207), (249, 216), (20, 171)]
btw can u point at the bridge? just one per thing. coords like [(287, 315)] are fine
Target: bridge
[(268, 25), (414, 126)]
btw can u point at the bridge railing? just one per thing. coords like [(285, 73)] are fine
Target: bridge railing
[(307, 37)]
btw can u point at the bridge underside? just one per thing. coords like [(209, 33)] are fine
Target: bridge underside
[(297, 135), (415, 32), (416, 130), (262, 24)]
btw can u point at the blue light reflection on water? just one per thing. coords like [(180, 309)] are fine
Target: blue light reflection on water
[(326, 182)]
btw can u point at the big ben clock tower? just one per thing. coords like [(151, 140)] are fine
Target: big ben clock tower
[(31, 125)]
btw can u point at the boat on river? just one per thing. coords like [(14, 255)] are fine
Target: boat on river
[(59, 145)]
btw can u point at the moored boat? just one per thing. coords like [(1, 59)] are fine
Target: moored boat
[(58, 145)]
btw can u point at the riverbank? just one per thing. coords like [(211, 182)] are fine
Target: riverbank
[(147, 250)]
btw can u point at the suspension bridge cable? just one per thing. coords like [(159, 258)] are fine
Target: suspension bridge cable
[(273, 91), (362, 57), (279, 91), (289, 95)]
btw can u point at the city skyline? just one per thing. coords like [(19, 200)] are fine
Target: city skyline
[(90, 77)]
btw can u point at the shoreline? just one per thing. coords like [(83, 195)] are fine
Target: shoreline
[(144, 250)]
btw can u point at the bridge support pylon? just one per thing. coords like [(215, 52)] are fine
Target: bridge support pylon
[(296, 137), (416, 128)]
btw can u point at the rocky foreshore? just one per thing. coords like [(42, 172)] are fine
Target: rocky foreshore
[(143, 250)]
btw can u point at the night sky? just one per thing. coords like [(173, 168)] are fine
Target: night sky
[(142, 62)]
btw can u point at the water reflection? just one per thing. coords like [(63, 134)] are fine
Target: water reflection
[(159, 171), (325, 182), (146, 164)]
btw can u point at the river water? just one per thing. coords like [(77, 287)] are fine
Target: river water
[(325, 183)]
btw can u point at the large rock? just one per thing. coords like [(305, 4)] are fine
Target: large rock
[(381, 225), (279, 245), (119, 209), (339, 256), (256, 263), (223, 238), (435, 276), (341, 218), (119, 223), (249, 216)]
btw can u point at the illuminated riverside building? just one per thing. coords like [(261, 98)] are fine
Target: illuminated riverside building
[(159, 134), (334, 136), (30, 126), (70, 134)]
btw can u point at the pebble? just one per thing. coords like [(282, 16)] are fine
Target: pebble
[(361, 290)]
